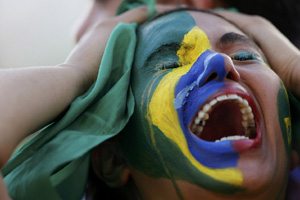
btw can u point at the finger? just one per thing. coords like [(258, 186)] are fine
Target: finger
[(238, 18), (231, 15), (164, 8), (141, 13)]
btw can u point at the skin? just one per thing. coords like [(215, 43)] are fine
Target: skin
[(101, 10), (35, 103), (272, 42), (81, 67), (154, 170), (261, 30), (35, 96)]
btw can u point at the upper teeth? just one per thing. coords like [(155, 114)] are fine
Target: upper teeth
[(203, 115)]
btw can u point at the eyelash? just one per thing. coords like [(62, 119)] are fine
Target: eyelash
[(244, 56), (165, 65), (239, 56)]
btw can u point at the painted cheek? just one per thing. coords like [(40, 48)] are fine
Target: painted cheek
[(284, 116), (191, 95), (162, 112)]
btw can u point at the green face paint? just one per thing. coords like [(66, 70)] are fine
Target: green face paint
[(284, 116), (145, 145)]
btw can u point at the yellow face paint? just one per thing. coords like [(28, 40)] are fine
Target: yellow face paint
[(193, 45), (162, 112), (288, 127), (287, 120)]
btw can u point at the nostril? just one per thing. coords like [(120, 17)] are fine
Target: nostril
[(216, 67), (212, 76), (231, 76)]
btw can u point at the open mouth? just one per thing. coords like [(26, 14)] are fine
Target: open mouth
[(226, 117)]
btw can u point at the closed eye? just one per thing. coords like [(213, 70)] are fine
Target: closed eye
[(165, 65), (245, 56), (163, 50)]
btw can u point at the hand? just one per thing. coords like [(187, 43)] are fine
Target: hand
[(35, 96), (89, 51), (282, 55)]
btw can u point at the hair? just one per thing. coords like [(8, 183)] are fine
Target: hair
[(192, 9), (187, 9), (284, 14)]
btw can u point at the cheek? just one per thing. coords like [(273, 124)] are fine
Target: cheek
[(284, 117), (273, 99), (167, 134), (161, 110)]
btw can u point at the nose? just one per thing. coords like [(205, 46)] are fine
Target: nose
[(218, 66)]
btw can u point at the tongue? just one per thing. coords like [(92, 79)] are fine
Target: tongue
[(224, 120)]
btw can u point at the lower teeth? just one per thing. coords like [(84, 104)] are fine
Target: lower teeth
[(234, 137)]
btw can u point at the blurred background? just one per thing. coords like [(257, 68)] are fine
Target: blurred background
[(38, 32)]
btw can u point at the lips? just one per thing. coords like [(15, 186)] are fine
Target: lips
[(229, 114)]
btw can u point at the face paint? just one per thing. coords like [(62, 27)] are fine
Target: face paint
[(284, 116), (160, 140), (186, 83), (166, 149)]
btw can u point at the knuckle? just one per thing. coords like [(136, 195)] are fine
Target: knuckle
[(143, 9), (256, 19), (108, 23)]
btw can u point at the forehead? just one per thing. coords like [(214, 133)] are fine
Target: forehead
[(214, 26), (171, 28), (181, 21)]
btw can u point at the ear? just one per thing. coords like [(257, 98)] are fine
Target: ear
[(109, 166)]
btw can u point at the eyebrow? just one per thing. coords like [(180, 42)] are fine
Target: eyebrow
[(232, 38)]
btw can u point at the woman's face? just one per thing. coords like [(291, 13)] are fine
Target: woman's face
[(211, 118)]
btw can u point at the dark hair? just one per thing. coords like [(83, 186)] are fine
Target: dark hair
[(197, 10), (187, 9), (190, 9), (284, 14)]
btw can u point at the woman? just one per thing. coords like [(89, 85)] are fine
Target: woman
[(228, 72)]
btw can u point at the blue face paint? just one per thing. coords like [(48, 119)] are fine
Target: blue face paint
[(162, 148), (192, 92)]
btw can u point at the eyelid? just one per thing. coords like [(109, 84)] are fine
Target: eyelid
[(245, 55), (164, 47), (166, 65)]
